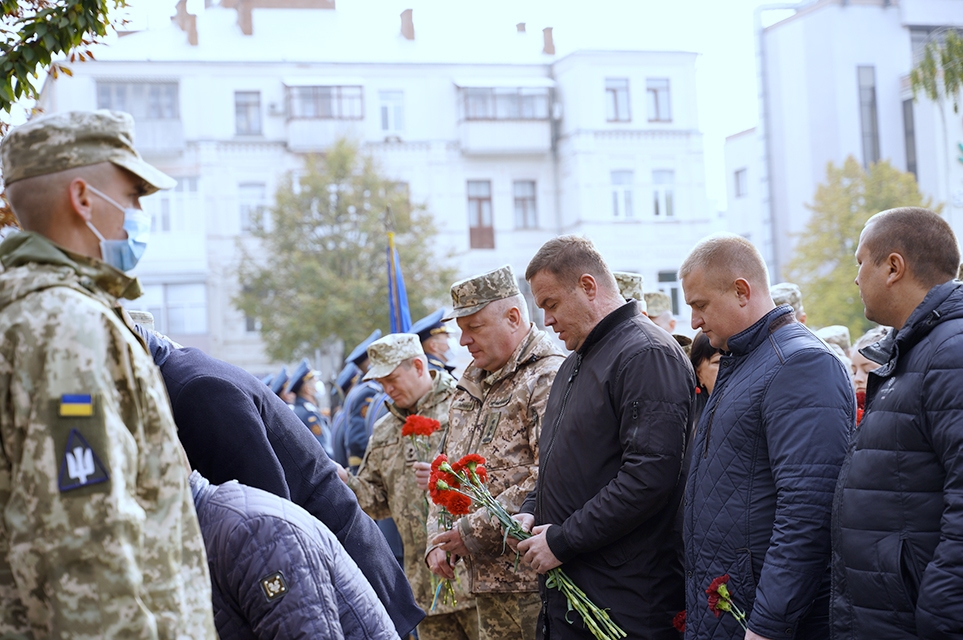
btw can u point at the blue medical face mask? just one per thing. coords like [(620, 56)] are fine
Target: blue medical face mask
[(124, 254)]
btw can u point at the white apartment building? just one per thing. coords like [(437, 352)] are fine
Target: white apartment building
[(833, 83), (505, 141)]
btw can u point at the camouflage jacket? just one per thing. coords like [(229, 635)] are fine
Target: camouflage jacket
[(99, 538), (386, 488), (498, 416)]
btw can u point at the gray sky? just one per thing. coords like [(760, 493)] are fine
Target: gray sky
[(720, 30)]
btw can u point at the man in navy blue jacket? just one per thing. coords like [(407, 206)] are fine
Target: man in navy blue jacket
[(765, 456), (898, 515), (234, 428)]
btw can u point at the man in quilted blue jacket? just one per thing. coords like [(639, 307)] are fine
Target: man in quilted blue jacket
[(765, 456), (898, 514)]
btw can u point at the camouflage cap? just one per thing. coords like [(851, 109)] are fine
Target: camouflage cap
[(630, 286), (835, 334), (388, 352), (787, 293), (473, 294), (657, 303), (73, 139)]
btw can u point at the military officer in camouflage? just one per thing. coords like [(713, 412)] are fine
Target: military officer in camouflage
[(496, 412), (386, 485), (99, 536)]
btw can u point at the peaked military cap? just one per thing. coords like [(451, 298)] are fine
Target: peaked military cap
[(347, 376), (787, 293), (388, 352), (277, 385), (267, 379), (657, 303), (361, 351), (72, 139), (835, 334), (301, 375), (471, 295), (431, 325)]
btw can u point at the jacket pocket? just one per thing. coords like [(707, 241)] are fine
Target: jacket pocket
[(909, 572), (744, 580)]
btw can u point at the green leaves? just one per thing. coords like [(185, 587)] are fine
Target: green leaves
[(939, 75), (824, 264)]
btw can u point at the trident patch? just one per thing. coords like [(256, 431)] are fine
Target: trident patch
[(80, 466), (274, 586)]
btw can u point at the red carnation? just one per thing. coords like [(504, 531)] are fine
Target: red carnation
[(439, 459), (471, 461), (714, 604), (416, 425), (458, 504), (679, 621), (482, 474), (860, 406), (720, 599)]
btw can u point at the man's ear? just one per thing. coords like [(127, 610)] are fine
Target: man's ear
[(419, 365), (743, 291), (80, 198), (896, 268), (514, 317), (588, 285)]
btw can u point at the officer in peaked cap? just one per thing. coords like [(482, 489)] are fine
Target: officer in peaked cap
[(303, 384), (343, 384), (357, 404), (433, 333), (278, 383), (789, 293), (630, 286)]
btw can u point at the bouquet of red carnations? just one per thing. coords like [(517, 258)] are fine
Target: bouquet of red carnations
[(460, 487), (418, 429)]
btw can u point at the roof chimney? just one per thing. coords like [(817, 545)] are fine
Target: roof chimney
[(520, 27), (549, 47), (407, 25), (186, 21)]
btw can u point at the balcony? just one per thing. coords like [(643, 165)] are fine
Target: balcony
[(159, 137), (505, 115)]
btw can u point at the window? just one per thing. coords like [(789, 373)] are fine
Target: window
[(247, 113), (663, 205), (178, 309), (171, 210), (143, 100), (329, 103), (481, 231), (252, 202), (617, 100), (622, 194), (392, 111), (657, 90), (669, 285), (526, 216), (525, 103), (742, 183), (909, 136), (867, 114)]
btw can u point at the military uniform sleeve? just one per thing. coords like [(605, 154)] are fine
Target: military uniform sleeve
[(369, 485), (482, 534), (74, 513)]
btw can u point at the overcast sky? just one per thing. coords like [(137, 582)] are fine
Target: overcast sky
[(720, 30)]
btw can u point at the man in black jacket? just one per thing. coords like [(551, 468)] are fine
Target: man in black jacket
[(610, 474), (898, 509), (234, 428)]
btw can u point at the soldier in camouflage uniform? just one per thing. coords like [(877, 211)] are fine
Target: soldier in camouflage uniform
[(496, 413), (630, 287), (386, 485), (99, 537)]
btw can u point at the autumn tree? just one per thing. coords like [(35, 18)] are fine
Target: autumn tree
[(317, 269), (823, 264)]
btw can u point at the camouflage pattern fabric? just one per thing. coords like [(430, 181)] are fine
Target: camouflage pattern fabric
[(504, 616), (787, 293), (473, 294), (386, 488), (657, 303), (498, 415), (458, 625), (385, 354), (99, 538), (73, 139), (630, 287)]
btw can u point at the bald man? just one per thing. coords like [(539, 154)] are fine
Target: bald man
[(765, 456)]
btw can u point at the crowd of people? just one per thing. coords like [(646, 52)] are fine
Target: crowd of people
[(149, 490)]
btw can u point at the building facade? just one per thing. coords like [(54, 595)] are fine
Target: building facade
[(506, 142)]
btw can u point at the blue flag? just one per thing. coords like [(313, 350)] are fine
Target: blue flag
[(397, 295)]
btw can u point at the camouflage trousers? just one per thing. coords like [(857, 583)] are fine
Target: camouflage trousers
[(458, 625), (507, 616)]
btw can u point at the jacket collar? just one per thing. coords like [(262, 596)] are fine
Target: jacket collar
[(27, 247), (747, 341), (605, 326), (942, 302)]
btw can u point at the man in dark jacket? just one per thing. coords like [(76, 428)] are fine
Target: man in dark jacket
[(765, 456), (278, 573), (234, 428), (898, 514), (610, 475)]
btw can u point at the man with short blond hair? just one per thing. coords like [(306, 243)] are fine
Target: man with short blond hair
[(386, 486), (496, 412), (610, 478), (766, 454)]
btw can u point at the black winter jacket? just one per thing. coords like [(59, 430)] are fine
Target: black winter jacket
[(611, 475), (234, 428), (763, 468), (898, 514)]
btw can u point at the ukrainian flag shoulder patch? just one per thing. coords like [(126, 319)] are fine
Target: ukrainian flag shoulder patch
[(76, 405)]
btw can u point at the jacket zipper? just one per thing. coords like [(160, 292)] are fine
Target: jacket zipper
[(561, 412)]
